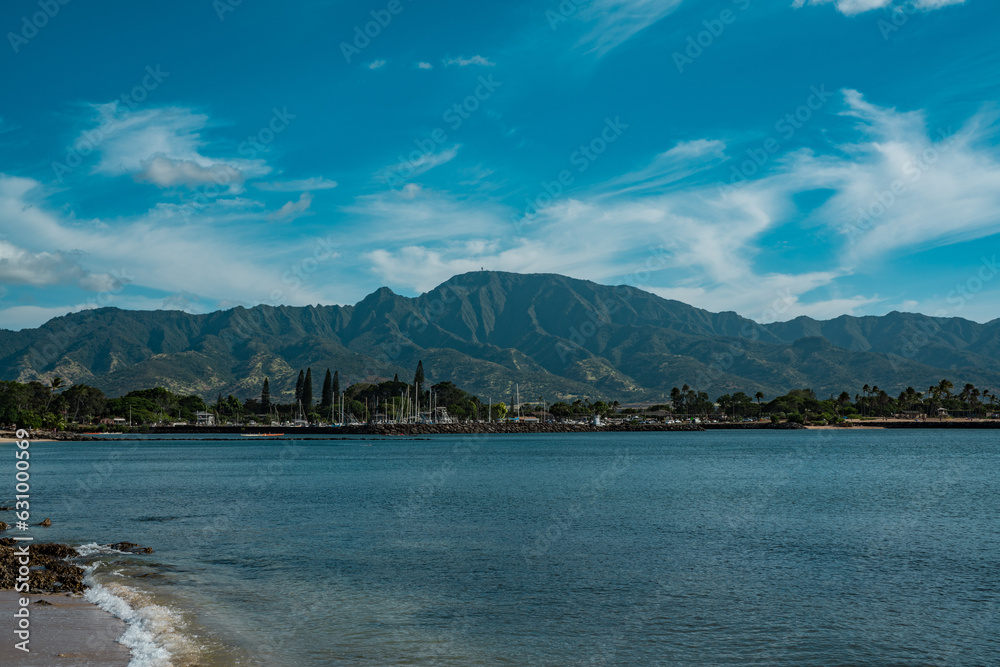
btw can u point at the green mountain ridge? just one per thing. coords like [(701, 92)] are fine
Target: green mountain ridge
[(553, 336)]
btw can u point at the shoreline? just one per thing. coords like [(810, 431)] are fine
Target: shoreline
[(382, 430), (71, 618), (65, 630)]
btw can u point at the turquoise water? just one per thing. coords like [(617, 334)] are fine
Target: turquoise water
[(769, 548)]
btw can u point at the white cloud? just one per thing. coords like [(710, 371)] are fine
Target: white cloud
[(162, 146), (425, 66), (376, 64), (293, 209), (23, 267), (680, 239), (419, 163), (210, 251), (185, 301), (906, 186), (167, 173), (462, 61), (314, 183), (418, 215), (855, 7), (681, 161)]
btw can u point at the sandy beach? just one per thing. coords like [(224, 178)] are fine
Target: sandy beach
[(66, 631)]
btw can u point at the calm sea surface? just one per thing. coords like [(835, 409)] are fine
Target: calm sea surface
[(752, 548)]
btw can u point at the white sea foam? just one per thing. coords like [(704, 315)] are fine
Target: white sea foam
[(152, 629), (95, 549)]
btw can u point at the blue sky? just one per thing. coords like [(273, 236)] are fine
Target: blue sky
[(782, 158)]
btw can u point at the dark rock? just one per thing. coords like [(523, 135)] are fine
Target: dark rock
[(130, 548), (3, 526), (54, 550), (47, 522), (50, 572), (44, 603)]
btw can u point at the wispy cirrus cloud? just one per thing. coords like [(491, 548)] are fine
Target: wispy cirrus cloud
[(614, 22), (210, 252), (855, 7), (706, 249), (681, 161), (420, 164), (298, 185), (462, 61), (293, 209)]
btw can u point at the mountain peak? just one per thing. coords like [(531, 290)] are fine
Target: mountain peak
[(488, 331)]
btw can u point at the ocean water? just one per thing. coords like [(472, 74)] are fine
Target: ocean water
[(716, 548)]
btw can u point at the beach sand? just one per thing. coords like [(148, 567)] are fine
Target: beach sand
[(71, 631)]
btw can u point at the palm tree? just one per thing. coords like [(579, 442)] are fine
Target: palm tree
[(54, 384), (945, 387), (759, 395)]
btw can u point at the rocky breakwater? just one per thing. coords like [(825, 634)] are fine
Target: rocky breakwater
[(38, 434), (753, 426), (508, 427)]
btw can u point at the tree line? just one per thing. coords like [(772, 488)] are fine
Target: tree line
[(54, 406)]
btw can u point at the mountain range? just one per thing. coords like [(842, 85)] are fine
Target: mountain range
[(489, 332)]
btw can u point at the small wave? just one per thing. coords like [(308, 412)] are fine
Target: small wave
[(93, 548), (152, 635)]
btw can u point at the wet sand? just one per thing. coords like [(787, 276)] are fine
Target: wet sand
[(69, 631)]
